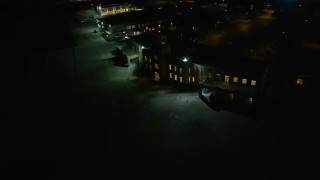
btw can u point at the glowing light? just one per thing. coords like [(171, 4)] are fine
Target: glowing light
[(185, 60)]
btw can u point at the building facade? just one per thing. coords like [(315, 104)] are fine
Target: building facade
[(113, 9)]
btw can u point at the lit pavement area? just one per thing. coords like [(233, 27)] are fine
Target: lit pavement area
[(93, 122)]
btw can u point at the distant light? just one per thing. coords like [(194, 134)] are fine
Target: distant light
[(300, 5), (159, 25), (306, 20), (159, 31), (123, 32), (185, 60), (283, 32), (126, 37), (225, 10), (142, 47)]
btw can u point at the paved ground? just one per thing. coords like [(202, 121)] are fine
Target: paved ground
[(85, 120)]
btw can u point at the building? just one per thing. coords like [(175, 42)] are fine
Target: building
[(167, 64), (106, 8), (223, 80), (133, 23), (231, 81)]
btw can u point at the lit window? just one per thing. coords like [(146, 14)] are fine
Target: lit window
[(180, 70), (156, 66), (180, 79), (253, 82), (299, 81), (149, 59), (250, 100), (175, 68), (235, 79), (226, 78), (175, 77), (193, 79), (170, 67), (170, 75), (145, 58), (156, 75), (244, 81)]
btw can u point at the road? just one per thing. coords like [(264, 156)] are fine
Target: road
[(86, 120)]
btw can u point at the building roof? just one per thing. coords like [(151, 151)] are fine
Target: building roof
[(135, 17), (210, 57)]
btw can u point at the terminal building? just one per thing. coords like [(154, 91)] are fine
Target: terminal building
[(107, 8), (133, 23), (223, 80)]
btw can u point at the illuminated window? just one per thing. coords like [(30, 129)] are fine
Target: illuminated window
[(170, 67), (180, 79), (145, 58), (193, 79), (170, 75), (244, 81), (226, 78), (253, 82), (180, 70), (250, 100), (175, 68), (235, 79), (149, 59), (156, 75), (156, 66), (175, 77), (299, 81)]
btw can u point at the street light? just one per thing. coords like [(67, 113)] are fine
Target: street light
[(185, 59)]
